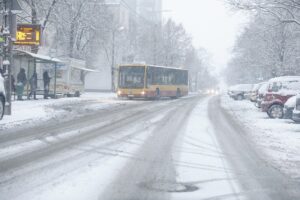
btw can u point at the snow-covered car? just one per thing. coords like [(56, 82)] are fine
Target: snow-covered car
[(254, 92), (2, 97), (240, 92), (289, 107), (261, 94), (296, 110), (280, 89)]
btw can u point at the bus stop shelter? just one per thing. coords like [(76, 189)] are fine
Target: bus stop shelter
[(38, 63)]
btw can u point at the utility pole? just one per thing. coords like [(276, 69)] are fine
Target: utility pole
[(7, 49), (113, 52), (8, 32), (113, 62)]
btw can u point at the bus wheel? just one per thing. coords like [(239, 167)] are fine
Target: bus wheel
[(178, 94), (157, 96)]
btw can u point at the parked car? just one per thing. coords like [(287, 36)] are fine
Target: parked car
[(261, 94), (280, 89), (240, 92), (296, 111), (2, 97), (254, 91), (289, 107)]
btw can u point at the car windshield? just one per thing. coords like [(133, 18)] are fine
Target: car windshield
[(263, 88), (256, 87), (149, 100), (276, 86)]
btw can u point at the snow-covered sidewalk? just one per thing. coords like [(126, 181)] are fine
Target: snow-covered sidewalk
[(278, 138), (34, 111)]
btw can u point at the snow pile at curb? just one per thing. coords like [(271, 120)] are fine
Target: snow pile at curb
[(279, 139), (31, 112)]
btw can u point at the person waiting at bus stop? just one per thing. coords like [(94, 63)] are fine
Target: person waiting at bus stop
[(33, 86), (46, 79), (21, 82)]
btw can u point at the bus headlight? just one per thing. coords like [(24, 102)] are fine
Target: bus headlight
[(143, 93), (119, 92)]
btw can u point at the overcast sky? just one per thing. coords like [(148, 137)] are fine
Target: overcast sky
[(210, 22)]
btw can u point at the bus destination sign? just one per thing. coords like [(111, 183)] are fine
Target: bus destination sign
[(28, 34)]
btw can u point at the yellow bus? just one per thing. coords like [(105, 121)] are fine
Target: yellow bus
[(148, 81)]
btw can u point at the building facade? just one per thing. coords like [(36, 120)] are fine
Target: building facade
[(128, 15), (150, 10)]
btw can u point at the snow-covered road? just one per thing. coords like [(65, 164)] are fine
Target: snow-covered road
[(182, 149)]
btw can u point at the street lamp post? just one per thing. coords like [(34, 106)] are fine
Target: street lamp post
[(10, 9), (113, 62), (113, 87)]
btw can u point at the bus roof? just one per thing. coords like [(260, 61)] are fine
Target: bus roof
[(144, 65)]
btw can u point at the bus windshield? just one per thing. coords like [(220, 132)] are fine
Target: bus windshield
[(132, 77)]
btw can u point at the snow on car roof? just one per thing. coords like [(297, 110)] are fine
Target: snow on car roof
[(242, 87), (285, 79), (257, 86)]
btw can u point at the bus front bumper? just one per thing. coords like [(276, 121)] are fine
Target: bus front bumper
[(136, 94)]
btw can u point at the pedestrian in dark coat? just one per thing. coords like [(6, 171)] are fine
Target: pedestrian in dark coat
[(46, 79), (21, 82), (33, 86)]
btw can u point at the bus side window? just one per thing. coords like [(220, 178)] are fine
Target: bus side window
[(149, 76), (178, 78), (155, 77), (186, 78), (159, 76), (172, 78)]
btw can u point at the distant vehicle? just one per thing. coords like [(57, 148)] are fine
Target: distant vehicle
[(70, 77), (296, 111), (153, 82), (240, 92), (212, 91), (254, 92), (279, 91), (2, 97)]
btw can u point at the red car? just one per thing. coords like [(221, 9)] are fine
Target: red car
[(280, 89)]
